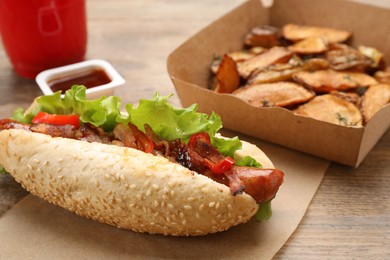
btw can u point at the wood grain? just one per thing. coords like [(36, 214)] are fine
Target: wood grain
[(349, 218)]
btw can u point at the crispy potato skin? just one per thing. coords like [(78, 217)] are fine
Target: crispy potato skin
[(294, 32), (227, 76), (374, 99), (311, 45), (332, 109), (282, 94), (324, 81), (270, 57)]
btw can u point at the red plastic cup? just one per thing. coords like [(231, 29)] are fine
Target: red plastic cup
[(43, 34)]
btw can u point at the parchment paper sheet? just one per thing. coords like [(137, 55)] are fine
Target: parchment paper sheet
[(35, 229)]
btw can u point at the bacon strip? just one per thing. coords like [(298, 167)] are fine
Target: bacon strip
[(12, 124)]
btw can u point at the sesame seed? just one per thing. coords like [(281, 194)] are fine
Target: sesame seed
[(156, 204), (29, 166), (201, 207), (181, 214), (229, 206), (217, 205), (172, 193), (148, 193), (60, 159), (187, 207), (35, 160), (170, 206), (197, 215), (138, 197), (211, 204), (191, 199), (155, 186), (133, 186), (184, 222)]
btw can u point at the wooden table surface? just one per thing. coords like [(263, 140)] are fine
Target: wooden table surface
[(349, 217)]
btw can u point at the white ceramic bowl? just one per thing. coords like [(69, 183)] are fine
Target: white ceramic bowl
[(45, 77)]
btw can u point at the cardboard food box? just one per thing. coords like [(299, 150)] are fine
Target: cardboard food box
[(189, 68)]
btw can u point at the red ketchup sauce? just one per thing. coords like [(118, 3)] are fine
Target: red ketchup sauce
[(89, 78)]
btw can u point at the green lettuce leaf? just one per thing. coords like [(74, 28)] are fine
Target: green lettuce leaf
[(249, 161), (2, 170), (170, 122), (99, 112), (264, 212)]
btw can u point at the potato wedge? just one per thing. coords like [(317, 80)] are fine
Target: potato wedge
[(383, 76), (374, 99), (373, 54), (272, 56), (284, 72), (351, 97), (227, 76), (335, 46), (311, 45), (263, 36), (274, 73), (281, 94), (328, 80), (315, 64), (257, 50), (348, 59), (294, 32), (332, 109), (237, 56)]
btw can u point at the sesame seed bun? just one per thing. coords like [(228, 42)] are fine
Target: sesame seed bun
[(124, 187)]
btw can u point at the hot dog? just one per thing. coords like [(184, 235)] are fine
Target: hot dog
[(156, 169)]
